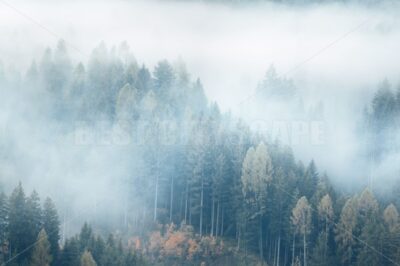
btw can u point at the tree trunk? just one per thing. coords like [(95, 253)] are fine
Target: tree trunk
[(201, 206), (212, 216), (181, 207), (279, 249), (238, 239), (275, 251), (294, 240), (260, 242), (326, 237), (186, 201), (304, 244), (217, 225), (221, 232), (286, 253), (156, 199), (156, 192), (125, 213), (171, 199)]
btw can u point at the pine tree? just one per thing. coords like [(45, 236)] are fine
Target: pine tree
[(86, 237), (19, 229), (41, 252), (3, 226), (70, 254), (3, 217), (310, 183), (164, 78), (34, 216), (99, 251), (51, 224)]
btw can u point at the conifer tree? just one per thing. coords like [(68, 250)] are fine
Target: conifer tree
[(301, 219), (87, 259), (19, 229), (41, 253), (51, 224)]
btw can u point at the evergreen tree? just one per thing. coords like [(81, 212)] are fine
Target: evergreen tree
[(3, 217), (70, 254), (34, 216), (3, 226), (51, 224), (86, 237), (164, 78), (19, 229)]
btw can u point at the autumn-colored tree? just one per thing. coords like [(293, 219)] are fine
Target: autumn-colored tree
[(257, 173), (326, 215), (344, 231), (392, 233), (41, 253), (301, 220), (87, 259)]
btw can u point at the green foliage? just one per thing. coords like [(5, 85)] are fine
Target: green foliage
[(51, 224)]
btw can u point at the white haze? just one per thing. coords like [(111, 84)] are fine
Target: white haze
[(334, 53)]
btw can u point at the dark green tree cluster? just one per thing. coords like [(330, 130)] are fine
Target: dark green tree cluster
[(29, 231), (88, 249), (382, 121)]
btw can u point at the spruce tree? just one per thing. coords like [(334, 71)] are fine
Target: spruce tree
[(19, 229), (34, 216), (51, 224)]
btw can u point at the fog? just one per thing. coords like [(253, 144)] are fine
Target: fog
[(333, 53)]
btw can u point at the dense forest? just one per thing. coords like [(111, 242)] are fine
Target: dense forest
[(203, 188)]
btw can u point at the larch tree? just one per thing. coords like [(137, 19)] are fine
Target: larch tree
[(301, 220), (391, 217), (345, 231), (392, 232), (41, 252), (371, 230), (257, 173), (87, 259), (326, 215), (126, 103)]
